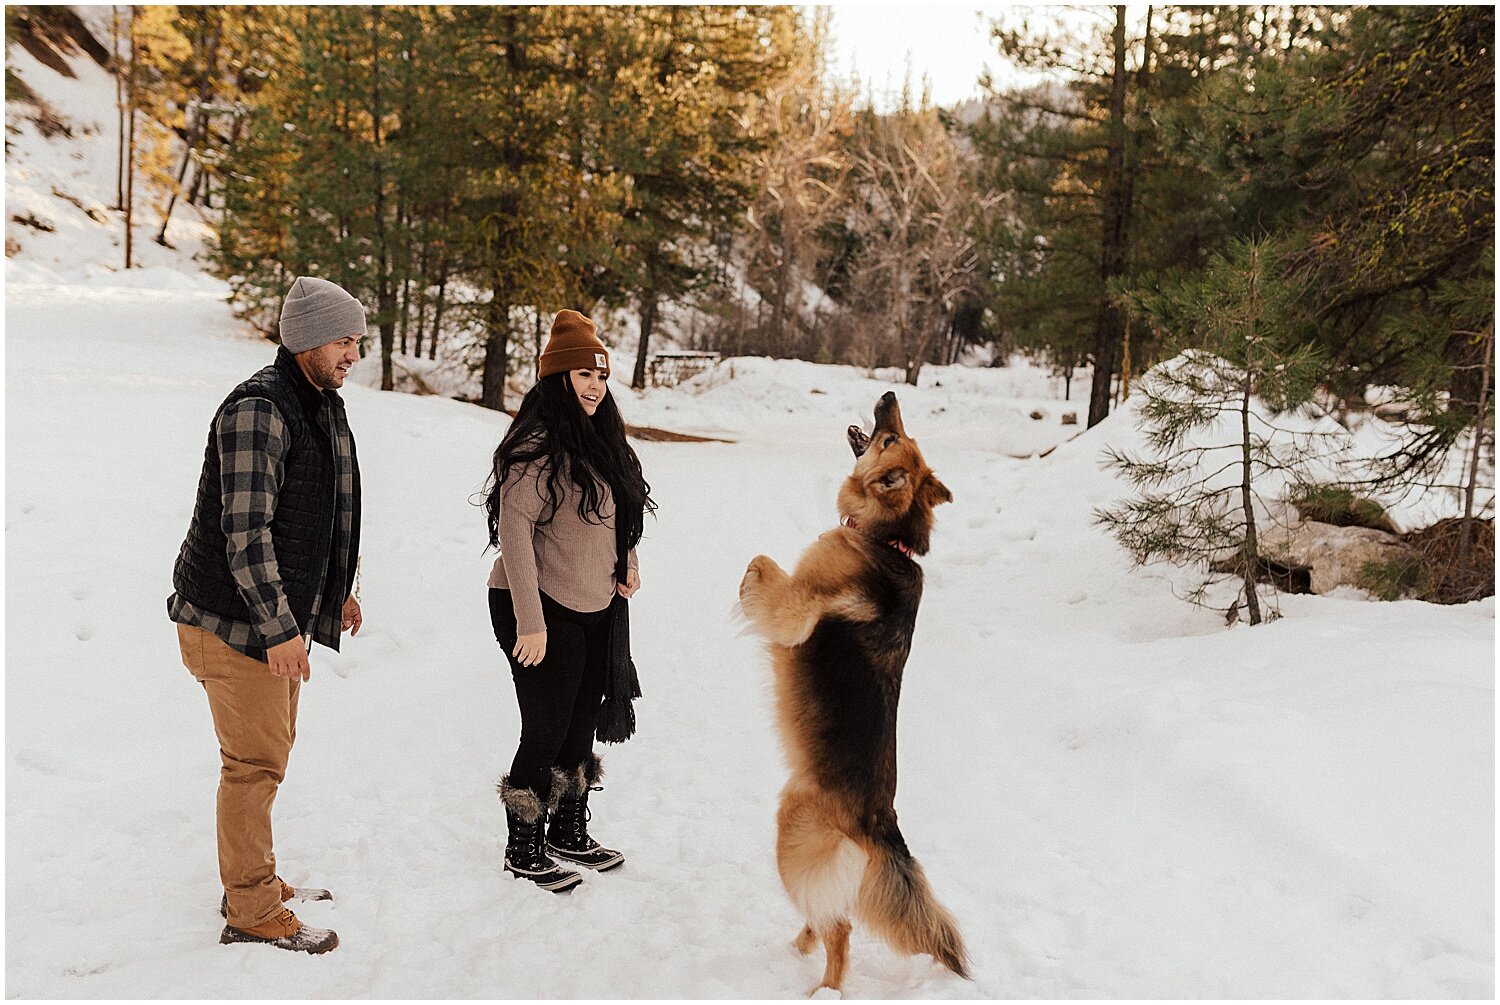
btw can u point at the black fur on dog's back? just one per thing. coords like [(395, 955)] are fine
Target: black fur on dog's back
[(851, 681)]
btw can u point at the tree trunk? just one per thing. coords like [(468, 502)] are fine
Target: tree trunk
[(403, 228), (778, 306), (496, 349), (421, 300), (648, 322), (1466, 532), (536, 336), (1108, 330), (915, 357), (1251, 554), (385, 291), (119, 108), (187, 158), (196, 127), (405, 311), (437, 312), (130, 150), (197, 194)]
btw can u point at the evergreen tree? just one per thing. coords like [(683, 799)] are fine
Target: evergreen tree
[(686, 153), (1104, 176), (1214, 454), (1067, 157), (1370, 151)]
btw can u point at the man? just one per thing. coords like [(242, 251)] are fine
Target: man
[(267, 569)]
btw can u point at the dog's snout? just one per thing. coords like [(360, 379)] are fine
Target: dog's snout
[(888, 413)]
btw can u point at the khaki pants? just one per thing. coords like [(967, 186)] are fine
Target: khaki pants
[(255, 717)]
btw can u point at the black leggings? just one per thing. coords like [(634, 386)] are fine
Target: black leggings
[(559, 697)]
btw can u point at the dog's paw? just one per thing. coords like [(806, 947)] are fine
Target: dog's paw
[(755, 574)]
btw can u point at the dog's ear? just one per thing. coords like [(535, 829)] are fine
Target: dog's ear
[(936, 492), (891, 480)]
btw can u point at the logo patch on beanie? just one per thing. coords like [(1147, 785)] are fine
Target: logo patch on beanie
[(600, 361)]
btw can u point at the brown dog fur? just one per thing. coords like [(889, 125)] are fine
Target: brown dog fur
[(839, 627)]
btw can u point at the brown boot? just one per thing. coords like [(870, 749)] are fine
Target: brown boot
[(283, 931), (289, 893)]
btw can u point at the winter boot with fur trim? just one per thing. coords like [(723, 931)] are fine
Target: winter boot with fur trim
[(525, 848), (568, 831), (283, 931)]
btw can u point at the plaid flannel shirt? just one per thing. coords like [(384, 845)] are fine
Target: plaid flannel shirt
[(252, 442)]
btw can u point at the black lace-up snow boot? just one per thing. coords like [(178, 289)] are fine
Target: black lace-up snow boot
[(525, 849), (568, 833)]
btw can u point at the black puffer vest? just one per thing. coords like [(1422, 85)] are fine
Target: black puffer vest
[(304, 523)]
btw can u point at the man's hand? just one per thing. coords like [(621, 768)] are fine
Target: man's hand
[(531, 649), (289, 659), (353, 617), (632, 583)]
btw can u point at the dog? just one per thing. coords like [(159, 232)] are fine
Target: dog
[(840, 628)]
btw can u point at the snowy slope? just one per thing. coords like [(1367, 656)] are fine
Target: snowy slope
[(68, 183), (1115, 795)]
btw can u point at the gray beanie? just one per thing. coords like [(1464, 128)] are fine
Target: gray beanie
[(317, 312)]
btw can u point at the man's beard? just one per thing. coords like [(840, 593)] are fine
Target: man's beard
[(325, 375)]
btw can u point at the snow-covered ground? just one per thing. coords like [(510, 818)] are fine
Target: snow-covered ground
[(1116, 796)]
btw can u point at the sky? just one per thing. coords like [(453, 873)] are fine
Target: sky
[(948, 43)]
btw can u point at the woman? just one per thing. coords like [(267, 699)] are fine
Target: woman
[(566, 503)]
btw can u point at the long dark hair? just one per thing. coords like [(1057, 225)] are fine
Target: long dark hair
[(591, 451)]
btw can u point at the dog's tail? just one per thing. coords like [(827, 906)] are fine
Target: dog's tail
[(896, 903)]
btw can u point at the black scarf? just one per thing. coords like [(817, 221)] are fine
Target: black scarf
[(616, 721)]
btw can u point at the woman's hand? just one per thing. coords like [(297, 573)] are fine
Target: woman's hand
[(531, 649), (632, 583)]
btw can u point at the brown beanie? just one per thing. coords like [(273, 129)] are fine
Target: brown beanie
[(573, 346)]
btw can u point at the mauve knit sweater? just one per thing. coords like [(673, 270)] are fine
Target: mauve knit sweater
[(569, 559)]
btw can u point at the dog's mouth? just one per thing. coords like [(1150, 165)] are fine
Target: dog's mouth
[(887, 417), (859, 441)]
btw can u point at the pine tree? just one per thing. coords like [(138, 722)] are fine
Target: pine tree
[(1106, 173), (1075, 160), (464, 168), (1369, 149), (685, 153), (1214, 454)]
